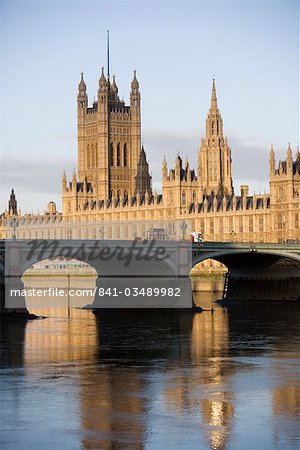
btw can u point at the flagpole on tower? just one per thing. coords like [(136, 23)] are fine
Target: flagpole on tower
[(108, 54)]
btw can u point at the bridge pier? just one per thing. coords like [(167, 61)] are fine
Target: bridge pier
[(17, 308), (10, 306)]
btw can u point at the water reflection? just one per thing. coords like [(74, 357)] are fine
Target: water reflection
[(154, 380)]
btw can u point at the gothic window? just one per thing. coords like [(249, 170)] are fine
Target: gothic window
[(92, 156), (250, 224), (297, 221), (111, 154), (241, 229), (261, 223), (202, 226), (194, 196), (221, 225), (281, 221), (213, 128), (125, 156), (118, 155), (281, 193), (183, 198), (88, 155), (118, 193), (125, 192), (96, 155), (211, 226)]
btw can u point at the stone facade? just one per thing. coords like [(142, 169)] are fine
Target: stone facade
[(113, 185)]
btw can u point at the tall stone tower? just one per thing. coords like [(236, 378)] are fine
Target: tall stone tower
[(214, 159), (143, 179), (285, 195), (12, 204), (109, 138)]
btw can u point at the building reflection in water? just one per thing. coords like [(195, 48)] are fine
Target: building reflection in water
[(60, 340), (201, 388), (117, 361), (286, 410)]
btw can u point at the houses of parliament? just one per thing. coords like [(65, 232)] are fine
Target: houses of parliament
[(112, 186)]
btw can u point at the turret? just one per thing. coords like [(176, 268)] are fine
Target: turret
[(12, 204), (82, 98), (289, 160), (214, 158), (142, 179), (135, 110), (135, 96), (178, 165), (64, 181), (114, 90), (272, 161), (213, 100), (103, 84), (74, 180), (214, 123), (134, 85), (164, 169)]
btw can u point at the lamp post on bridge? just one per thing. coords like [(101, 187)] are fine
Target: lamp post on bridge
[(232, 235), (14, 223), (183, 226)]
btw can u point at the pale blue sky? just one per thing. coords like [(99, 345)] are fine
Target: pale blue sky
[(251, 47)]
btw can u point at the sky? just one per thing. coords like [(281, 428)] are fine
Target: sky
[(250, 47)]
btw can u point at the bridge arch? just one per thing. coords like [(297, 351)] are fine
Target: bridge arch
[(242, 257), (65, 283), (256, 274)]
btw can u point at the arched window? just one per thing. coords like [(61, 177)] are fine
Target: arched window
[(92, 164), (118, 155), (183, 198), (111, 154), (96, 155), (281, 193), (194, 196), (125, 156), (88, 156)]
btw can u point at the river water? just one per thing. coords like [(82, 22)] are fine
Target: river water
[(227, 379)]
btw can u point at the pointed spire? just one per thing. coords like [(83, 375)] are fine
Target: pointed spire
[(12, 204), (134, 84), (64, 180), (114, 86), (82, 86), (213, 102), (102, 80), (272, 153), (289, 152), (74, 175), (143, 158)]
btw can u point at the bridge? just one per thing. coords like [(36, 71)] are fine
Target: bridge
[(256, 271)]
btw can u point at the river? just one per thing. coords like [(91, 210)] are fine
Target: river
[(227, 379)]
